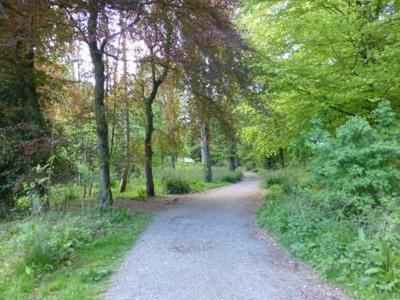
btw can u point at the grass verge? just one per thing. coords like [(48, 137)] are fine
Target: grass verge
[(361, 253), (64, 255)]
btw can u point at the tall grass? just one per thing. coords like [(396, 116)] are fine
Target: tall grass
[(43, 255)]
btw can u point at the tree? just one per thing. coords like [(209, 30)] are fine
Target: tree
[(127, 127), (27, 33), (183, 36), (96, 35), (97, 53), (330, 59)]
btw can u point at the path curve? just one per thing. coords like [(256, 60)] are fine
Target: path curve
[(206, 246)]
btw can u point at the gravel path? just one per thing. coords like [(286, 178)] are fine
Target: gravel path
[(206, 246)]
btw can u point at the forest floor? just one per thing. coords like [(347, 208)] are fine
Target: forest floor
[(206, 246)]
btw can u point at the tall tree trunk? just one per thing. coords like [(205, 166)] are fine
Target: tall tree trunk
[(33, 112), (205, 150), (34, 125), (172, 161), (96, 54), (232, 157), (156, 83), (148, 151), (127, 129), (91, 184)]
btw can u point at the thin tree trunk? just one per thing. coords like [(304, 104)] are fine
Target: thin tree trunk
[(105, 196), (172, 161), (232, 157), (232, 166), (127, 165), (156, 83), (205, 150), (90, 185), (148, 150)]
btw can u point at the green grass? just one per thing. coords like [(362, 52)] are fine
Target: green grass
[(189, 175), (64, 255), (70, 254), (363, 257), (190, 179)]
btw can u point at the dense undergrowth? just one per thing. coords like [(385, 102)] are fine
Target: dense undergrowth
[(342, 213), (360, 252), (64, 255)]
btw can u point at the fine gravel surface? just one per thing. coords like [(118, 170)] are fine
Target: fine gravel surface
[(206, 246)]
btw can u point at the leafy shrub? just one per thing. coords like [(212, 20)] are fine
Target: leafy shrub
[(48, 240), (275, 177), (141, 192), (363, 259), (176, 185), (342, 217), (41, 249), (288, 179), (69, 194), (231, 176), (197, 186), (357, 167), (275, 192)]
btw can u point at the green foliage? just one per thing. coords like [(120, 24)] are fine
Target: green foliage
[(358, 166), (325, 59), (288, 179), (362, 258), (141, 192), (42, 250), (231, 176), (342, 216), (63, 253), (186, 179), (275, 192), (277, 177), (176, 185), (95, 276)]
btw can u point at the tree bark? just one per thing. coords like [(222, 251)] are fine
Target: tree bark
[(32, 108), (172, 161), (96, 54), (205, 150), (127, 129), (156, 83), (34, 129), (148, 150), (232, 157)]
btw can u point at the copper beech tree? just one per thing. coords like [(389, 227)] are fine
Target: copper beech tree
[(191, 39)]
